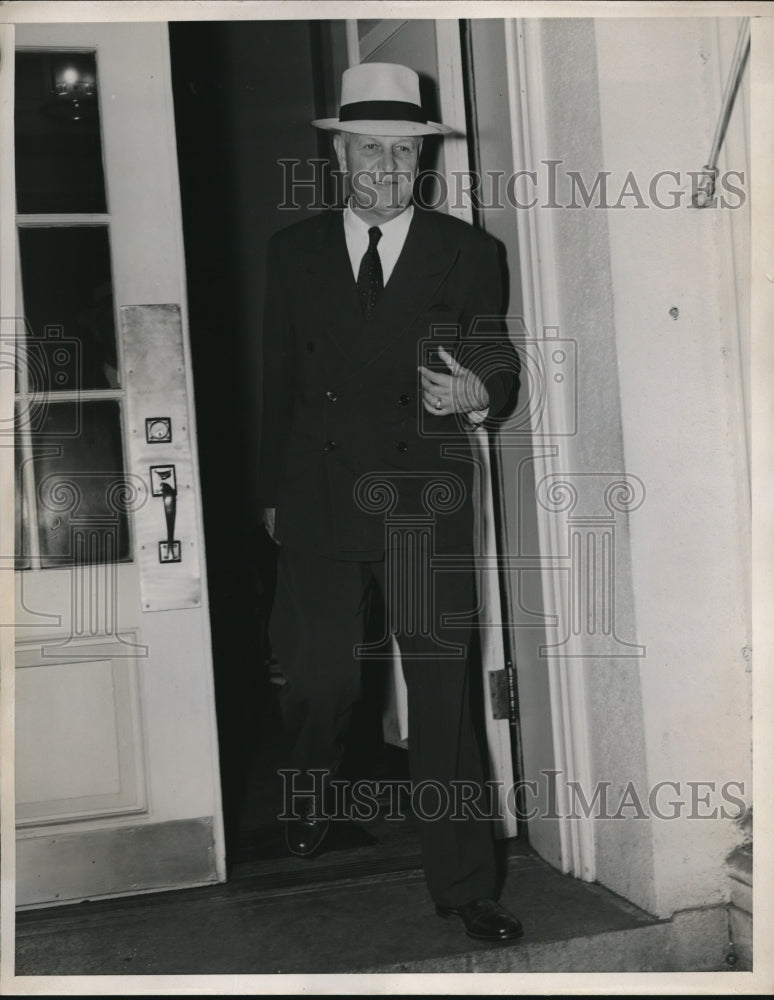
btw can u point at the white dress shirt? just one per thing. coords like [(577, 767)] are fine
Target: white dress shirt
[(389, 247)]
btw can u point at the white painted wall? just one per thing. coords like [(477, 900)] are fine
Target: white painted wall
[(683, 435), (662, 399)]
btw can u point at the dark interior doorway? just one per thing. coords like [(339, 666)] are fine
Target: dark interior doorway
[(245, 93)]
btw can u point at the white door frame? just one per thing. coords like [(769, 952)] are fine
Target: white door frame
[(526, 98), (569, 713), (7, 489)]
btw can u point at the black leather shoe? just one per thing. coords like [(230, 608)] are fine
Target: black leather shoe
[(485, 920), (303, 836)]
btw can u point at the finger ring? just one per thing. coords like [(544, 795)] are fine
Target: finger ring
[(439, 403)]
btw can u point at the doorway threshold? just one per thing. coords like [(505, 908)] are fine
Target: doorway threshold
[(345, 922)]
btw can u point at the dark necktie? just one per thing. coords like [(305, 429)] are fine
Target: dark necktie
[(369, 279)]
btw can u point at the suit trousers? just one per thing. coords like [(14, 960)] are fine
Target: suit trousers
[(316, 626)]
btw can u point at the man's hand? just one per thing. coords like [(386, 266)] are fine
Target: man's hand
[(269, 514), (461, 391)]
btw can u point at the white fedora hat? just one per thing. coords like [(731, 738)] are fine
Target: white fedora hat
[(381, 99)]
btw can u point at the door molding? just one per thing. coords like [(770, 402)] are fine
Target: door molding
[(120, 744), (569, 716), (7, 490), (451, 90)]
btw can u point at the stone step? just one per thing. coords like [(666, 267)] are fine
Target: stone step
[(692, 941), (383, 923)]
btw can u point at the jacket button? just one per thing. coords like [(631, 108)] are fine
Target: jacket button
[(405, 399), (331, 396), (329, 446), (402, 446)]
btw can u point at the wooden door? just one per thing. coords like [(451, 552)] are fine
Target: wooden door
[(117, 780)]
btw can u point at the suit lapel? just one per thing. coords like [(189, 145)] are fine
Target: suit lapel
[(419, 271), (333, 298)]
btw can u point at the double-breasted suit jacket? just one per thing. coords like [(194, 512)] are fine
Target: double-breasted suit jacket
[(342, 396)]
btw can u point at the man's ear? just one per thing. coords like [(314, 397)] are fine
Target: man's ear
[(340, 145)]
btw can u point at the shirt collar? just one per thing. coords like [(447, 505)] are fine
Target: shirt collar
[(396, 228)]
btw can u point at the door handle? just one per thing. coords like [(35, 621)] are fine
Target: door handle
[(169, 551), (164, 485)]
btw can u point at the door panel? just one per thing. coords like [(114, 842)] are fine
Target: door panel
[(117, 777), (91, 763)]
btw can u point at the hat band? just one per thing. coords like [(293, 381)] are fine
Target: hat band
[(395, 111)]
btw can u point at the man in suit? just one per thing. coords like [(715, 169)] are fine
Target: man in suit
[(367, 473)]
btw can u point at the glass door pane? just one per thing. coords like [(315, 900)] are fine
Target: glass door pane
[(68, 301), (58, 141), (79, 470)]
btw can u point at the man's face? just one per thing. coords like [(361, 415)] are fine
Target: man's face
[(381, 169)]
